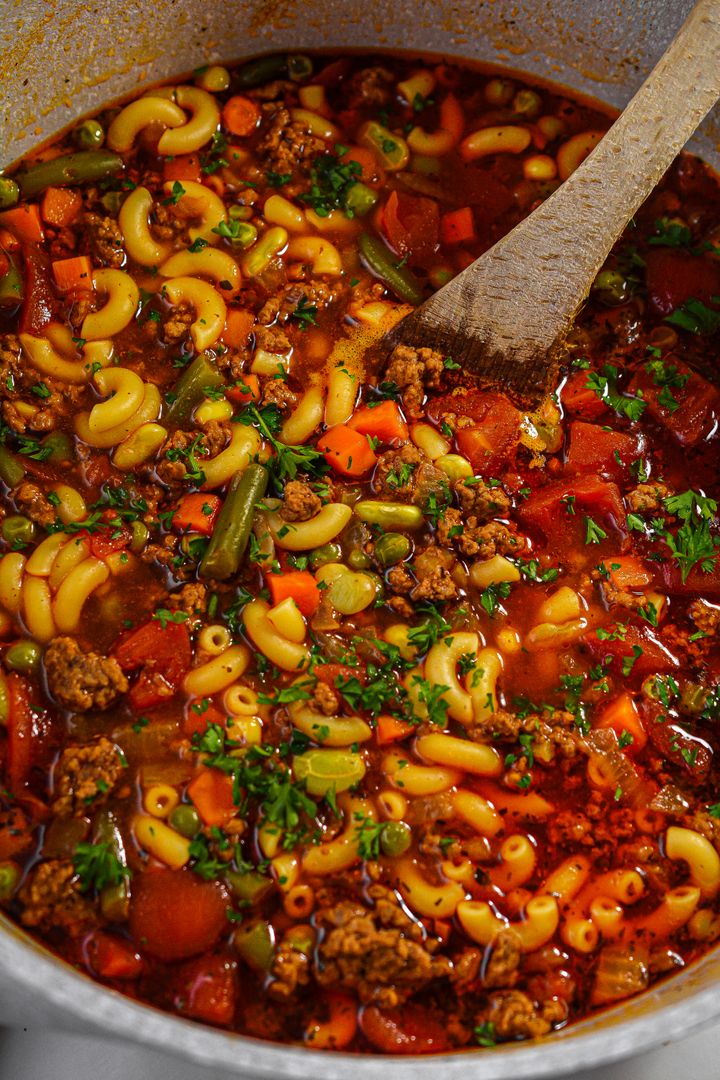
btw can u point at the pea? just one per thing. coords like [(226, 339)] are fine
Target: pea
[(140, 536), (24, 656), (358, 560), (328, 553), (527, 103), (300, 68), (352, 592), (255, 944), (325, 770), (392, 548), (395, 838), (18, 529), (389, 515), (9, 879), (89, 135), (186, 820), (611, 287), (360, 199), (9, 192)]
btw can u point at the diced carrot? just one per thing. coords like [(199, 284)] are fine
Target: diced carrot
[(73, 275), (174, 914), (383, 421), (349, 452), (182, 167), (298, 584), (198, 513), (211, 792), (238, 327), (365, 159), (240, 115), (623, 717), (389, 729), (628, 572), (60, 206), (24, 222), (457, 226), (110, 957), (199, 715), (246, 389)]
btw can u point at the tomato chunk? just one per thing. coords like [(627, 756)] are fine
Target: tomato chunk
[(697, 582), (594, 450), (109, 957), (620, 650), (412, 224), (206, 989), (673, 277), (407, 1029), (689, 411), (491, 442), (556, 510), (174, 914), (163, 655)]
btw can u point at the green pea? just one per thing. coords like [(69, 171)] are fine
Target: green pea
[(300, 67), (9, 879), (395, 838), (18, 529), (61, 446), (611, 287), (185, 820), (358, 560), (9, 192), (326, 554), (392, 548), (89, 135), (360, 199), (389, 515), (255, 944), (140, 536), (24, 656)]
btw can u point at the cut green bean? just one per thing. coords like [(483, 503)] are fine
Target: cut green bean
[(190, 388), (11, 470), (86, 166), (10, 875), (9, 193), (249, 887), (389, 515), (360, 199), (140, 536), (18, 530), (262, 70), (382, 263), (4, 700), (255, 945), (230, 537), (114, 899), (11, 284), (391, 549)]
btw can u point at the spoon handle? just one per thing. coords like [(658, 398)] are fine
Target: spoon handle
[(503, 315)]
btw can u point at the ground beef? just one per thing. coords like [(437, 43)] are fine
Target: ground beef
[(496, 539), (173, 468), (646, 498), (502, 960), (480, 500), (285, 144), (396, 473), (290, 969), (299, 501), (557, 727), (51, 898), (413, 371), (167, 224), (371, 86), (272, 339), (705, 616), (281, 307), (80, 680), (432, 568), (514, 1015), (177, 324), (570, 829), (401, 607), (277, 392), (380, 953), (106, 240), (192, 599), (324, 699), (85, 776), (400, 580), (32, 501)]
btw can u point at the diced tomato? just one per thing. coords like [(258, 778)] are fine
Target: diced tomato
[(21, 732), (384, 422), (39, 300), (183, 167), (406, 1029), (640, 645), (389, 729), (174, 914), (247, 389), (328, 673), (457, 227), (298, 584), (105, 541), (547, 510), (163, 655), (579, 399), (623, 717), (412, 225), (686, 751), (697, 582), (15, 833), (491, 443), (673, 277), (594, 450), (109, 957), (198, 513), (199, 715), (206, 989), (693, 408)]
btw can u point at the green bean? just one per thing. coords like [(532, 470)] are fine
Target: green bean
[(249, 887), (84, 166), (10, 875), (360, 199), (389, 515), (300, 67), (9, 192), (358, 560), (89, 135), (391, 549), (190, 388), (262, 70), (61, 447), (325, 770), (4, 700), (230, 537), (255, 945), (11, 469), (17, 529), (326, 554), (395, 838), (24, 656), (381, 262), (186, 820), (12, 287), (114, 899), (140, 536)]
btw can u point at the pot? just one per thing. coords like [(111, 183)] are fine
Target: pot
[(62, 58)]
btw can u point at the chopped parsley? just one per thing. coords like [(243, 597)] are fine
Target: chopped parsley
[(97, 865)]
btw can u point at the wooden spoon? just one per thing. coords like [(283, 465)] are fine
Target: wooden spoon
[(506, 316)]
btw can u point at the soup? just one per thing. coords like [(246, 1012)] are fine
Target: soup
[(345, 701)]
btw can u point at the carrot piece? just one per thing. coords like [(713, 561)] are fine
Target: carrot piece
[(110, 957), (182, 167), (8, 241), (240, 115), (457, 226), (628, 572), (366, 160), (199, 715), (246, 389), (211, 792), (73, 274), (198, 513), (349, 452), (298, 584), (389, 729), (174, 914), (384, 422), (622, 717), (60, 206), (24, 222), (238, 327)]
